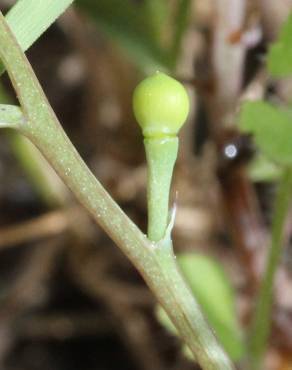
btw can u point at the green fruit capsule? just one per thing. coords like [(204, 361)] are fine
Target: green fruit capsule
[(161, 105)]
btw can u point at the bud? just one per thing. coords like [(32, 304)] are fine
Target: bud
[(161, 105)]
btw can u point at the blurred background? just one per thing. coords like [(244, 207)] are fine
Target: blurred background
[(69, 298)]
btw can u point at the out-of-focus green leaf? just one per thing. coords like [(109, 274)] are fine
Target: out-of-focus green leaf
[(157, 12), (271, 128), (129, 24), (280, 54), (180, 24), (214, 293), (262, 169)]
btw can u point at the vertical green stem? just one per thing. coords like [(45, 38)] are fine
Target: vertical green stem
[(161, 155), (262, 320)]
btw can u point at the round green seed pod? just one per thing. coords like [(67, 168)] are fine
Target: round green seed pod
[(161, 105)]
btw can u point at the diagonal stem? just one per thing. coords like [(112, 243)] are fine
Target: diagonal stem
[(155, 262)]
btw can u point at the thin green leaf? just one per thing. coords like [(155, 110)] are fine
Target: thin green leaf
[(180, 25), (28, 19), (280, 54), (271, 128), (129, 26), (262, 169), (157, 12)]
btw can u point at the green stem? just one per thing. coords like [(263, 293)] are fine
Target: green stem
[(155, 262), (262, 320), (11, 116), (161, 155)]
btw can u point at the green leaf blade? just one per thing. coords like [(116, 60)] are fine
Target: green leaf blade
[(212, 288), (279, 60), (180, 25), (271, 128), (132, 28), (28, 19)]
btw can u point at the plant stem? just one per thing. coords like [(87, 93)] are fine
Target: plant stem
[(11, 116), (161, 155), (155, 262), (262, 320)]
